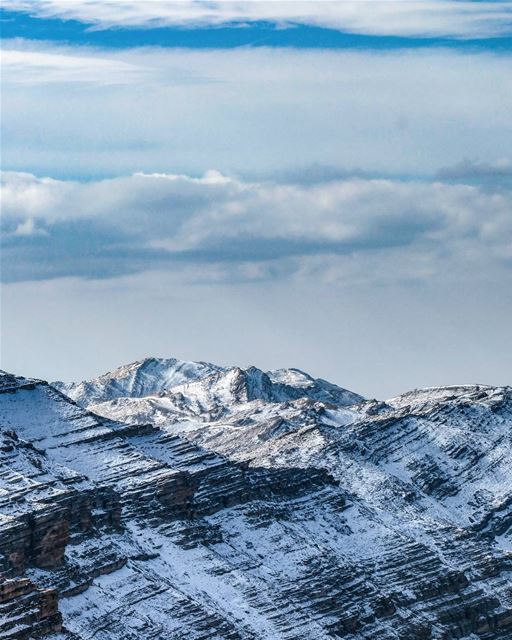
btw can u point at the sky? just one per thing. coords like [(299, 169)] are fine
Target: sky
[(321, 185)]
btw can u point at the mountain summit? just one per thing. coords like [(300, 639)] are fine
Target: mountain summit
[(151, 376)]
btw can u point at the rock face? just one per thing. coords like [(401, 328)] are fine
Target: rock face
[(28, 612), (172, 500)]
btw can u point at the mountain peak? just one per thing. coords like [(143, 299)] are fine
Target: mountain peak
[(146, 377)]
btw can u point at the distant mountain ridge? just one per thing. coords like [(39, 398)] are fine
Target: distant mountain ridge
[(206, 385)]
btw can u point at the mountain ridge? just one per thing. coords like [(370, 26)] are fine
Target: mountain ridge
[(250, 505)]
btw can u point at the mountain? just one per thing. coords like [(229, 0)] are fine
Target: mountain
[(151, 376), (202, 386), (219, 393), (237, 504)]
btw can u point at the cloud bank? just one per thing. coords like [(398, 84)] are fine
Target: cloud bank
[(431, 18), (219, 228)]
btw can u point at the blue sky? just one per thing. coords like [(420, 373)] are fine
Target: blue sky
[(180, 177)]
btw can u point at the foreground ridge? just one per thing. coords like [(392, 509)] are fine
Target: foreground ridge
[(169, 499)]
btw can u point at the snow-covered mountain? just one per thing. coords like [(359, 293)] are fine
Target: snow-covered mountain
[(208, 395), (200, 502), (151, 376), (201, 386)]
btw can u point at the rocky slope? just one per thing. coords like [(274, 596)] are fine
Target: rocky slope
[(169, 500)]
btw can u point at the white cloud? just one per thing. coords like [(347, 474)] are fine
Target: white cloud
[(28, 228), (217, 228), (461, 19)]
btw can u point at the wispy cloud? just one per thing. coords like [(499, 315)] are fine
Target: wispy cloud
[(27, 63), (43, 67), (422, 18)]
